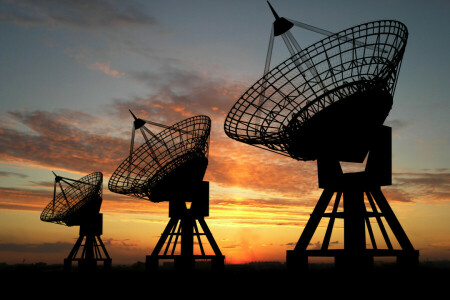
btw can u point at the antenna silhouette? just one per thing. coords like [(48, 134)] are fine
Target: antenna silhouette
[(78, 204), (281, 27), (328, 103), (170, 166)]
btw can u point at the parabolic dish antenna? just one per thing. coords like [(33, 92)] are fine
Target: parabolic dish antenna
[(170, 166), (177, 155), (78, 200), (328, 102), (78, 203), (355, 70)]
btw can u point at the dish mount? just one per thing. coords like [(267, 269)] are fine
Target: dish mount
[(328, 103), (169, 167), (78, 204)]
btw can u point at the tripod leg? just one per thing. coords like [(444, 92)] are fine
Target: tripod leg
[(165, 234), (326, 240), (103, 247), (219, 260), (197, 233), (210, 237), (391, 219), (408, 257), (107, 259), (314, 220), (72, 254), (380, 223), (75, 248), (151, 263)]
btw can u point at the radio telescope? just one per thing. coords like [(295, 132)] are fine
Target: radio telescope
[(328, 103), (78, 204), (170, 166)]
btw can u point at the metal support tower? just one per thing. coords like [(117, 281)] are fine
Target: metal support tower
[(183, 231), (92, 251), (358, 191)]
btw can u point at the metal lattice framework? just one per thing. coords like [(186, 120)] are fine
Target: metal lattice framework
[(182, 146), (353, 60), (73, 203)]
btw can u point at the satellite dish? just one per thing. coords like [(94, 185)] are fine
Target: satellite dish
[(328, 102), (284, 111), (170, 166), (77, 203), (177, 155), (71, 205)]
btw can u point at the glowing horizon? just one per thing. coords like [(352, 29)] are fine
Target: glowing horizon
[(69, 78)]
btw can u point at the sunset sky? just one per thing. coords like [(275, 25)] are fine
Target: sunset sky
[(70, 70)]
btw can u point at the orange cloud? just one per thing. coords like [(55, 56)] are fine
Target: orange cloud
[(105, 68), (281, 191), (238, 165), (52, 141), (24, 199), (424, 186)]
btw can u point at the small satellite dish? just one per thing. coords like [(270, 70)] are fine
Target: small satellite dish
[(328, 102), (77, 203), (170, 166), (79, 199)]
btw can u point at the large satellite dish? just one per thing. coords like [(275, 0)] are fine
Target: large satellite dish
[(77, 203), (170, 166), (348, 77), (328, 102)]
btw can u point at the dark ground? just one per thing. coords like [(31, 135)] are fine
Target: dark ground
[(255, 279)]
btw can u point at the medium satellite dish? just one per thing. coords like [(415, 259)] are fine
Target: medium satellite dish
[(77, 203), (170, 166), (328, 102), (178, 155)]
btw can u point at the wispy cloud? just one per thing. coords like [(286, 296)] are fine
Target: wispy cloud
[(15, 174), (424, 186), (396, 194), (23, 199), (56, 140), (398, 124), (79, 13), (105, 68), (177, 93)]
